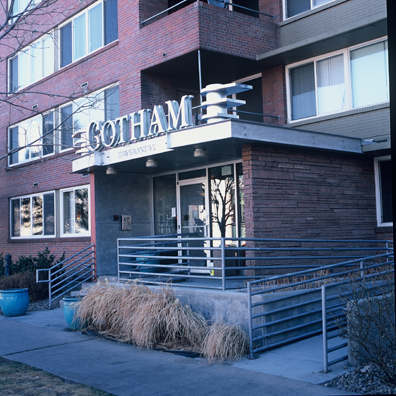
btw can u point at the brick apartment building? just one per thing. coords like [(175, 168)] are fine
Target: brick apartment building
[(92, 156)]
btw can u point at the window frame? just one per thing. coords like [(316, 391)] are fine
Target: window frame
[(62, 216), (75, 103), (285, 16), (12, 15), (31, 196), (347, 80), (87, 35), (378, 192), (41, 149), (28, 67)]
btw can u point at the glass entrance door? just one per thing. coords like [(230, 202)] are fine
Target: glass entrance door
[(193, 209), (193, 219)]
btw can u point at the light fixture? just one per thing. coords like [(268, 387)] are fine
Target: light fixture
[(199, 153), (150, 163), (111, 171)]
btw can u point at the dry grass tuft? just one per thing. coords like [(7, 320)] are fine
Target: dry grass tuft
[(133, 313), (225, 342)]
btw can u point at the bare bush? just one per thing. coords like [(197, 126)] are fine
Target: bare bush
[(370, 309)]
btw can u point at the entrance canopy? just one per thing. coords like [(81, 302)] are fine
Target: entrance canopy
[(206, 144)]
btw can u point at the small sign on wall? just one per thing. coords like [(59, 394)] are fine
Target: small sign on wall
[(126, 222)]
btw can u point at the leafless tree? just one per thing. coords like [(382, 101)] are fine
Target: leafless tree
[(21, 23)]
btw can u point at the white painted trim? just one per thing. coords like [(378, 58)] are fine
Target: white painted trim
[(41, 155), (71, 20), (43, 37), (31, 220), (62, 191), (378, 200), (347, 79), (285, 17)]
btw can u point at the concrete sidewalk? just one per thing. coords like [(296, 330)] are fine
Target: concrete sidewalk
[(42, 339)]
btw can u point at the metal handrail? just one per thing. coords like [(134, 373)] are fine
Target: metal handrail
[(360, 269), (162, 12), (226, 3), (176, 256), (79, 269)]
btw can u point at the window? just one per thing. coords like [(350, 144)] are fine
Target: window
[(31, 139), (88, 31), (349, 79), (31, 64), (98, 106), (33, 216), (383, 184), (295, 7), (75, 211), (20, 6)]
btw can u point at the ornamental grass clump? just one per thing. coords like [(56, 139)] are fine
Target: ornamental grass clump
[(135, 314), (225, 342)]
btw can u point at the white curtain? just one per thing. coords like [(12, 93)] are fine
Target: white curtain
[(331, 84), (369, 69), (48, 56), (36, 62), (95, 27), (79, 37), (23, 69)]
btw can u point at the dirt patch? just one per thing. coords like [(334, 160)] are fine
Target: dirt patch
[(23, 380)]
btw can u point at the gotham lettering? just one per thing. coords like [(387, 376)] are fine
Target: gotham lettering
[(136, 126)]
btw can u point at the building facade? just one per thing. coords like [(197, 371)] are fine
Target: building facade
[(112, 124)]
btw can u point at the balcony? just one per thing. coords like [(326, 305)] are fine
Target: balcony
[(228, 42)]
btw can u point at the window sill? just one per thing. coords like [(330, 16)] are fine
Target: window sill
[(40, 160), (315, 10), (50, 240), (346, 113), (88, 56)]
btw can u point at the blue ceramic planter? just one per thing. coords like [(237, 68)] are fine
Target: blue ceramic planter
[(70, 308), (14, 302)]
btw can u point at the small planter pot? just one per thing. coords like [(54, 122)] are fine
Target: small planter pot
[(14, 302), (70, 308)]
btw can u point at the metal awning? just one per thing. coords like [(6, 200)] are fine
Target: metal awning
[(222, 142)]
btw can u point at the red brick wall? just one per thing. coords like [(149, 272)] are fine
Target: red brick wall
[(298, 193), (384, 234), (274, 95)]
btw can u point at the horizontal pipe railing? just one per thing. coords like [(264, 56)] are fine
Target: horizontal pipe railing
[(335, 310), (70, 273), (147, 255), (300, 266), (226, 3)]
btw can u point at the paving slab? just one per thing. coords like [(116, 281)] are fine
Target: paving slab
[(124, 369), (302, 360)]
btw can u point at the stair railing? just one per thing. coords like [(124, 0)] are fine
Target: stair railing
[(67, 275)]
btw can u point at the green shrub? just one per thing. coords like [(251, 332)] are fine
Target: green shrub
[(23, 273), (43, 260), (27, 279)]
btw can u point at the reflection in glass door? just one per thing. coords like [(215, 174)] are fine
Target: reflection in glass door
[(192, 209), (193, 218)]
